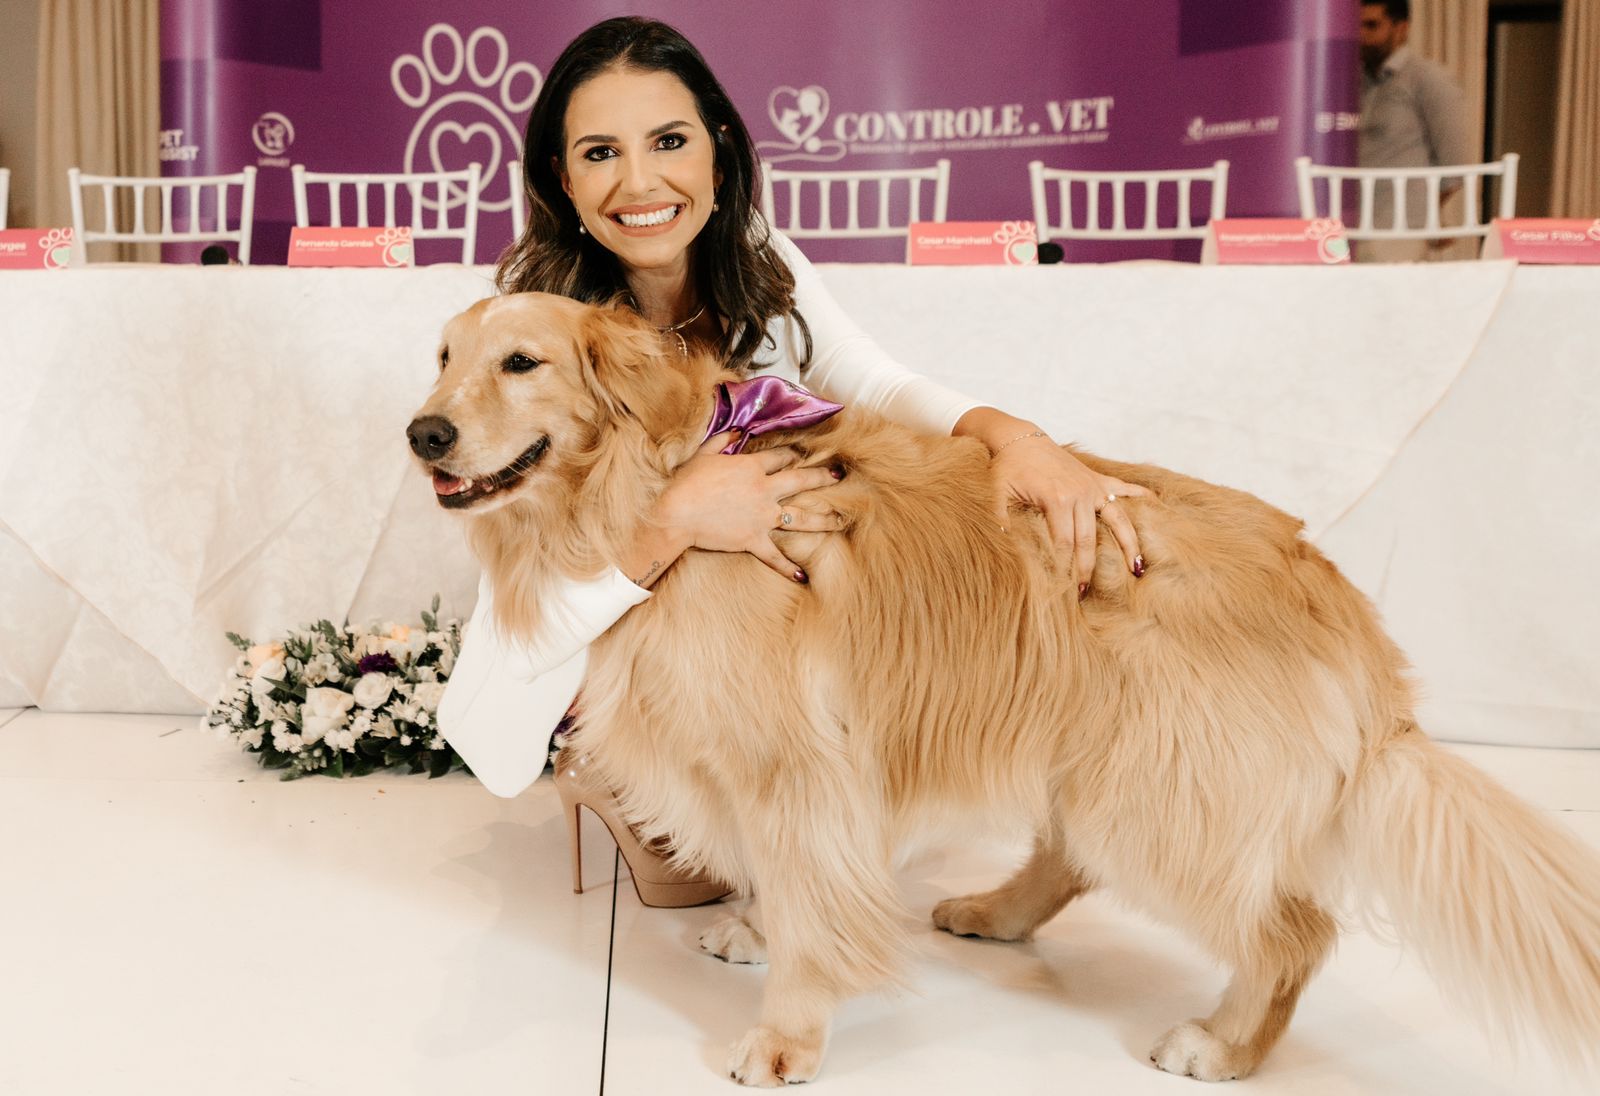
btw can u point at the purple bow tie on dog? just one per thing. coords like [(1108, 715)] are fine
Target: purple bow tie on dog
[(763, 404)]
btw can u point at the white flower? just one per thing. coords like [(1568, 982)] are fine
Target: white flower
[(373, 689), (436, 743), (287, 743), (360, 723), (260, 686), (323, 667), (252, 738), (427, 673), (384, 727), (405, 740), (447, 661), (428, 694), (325, 710)]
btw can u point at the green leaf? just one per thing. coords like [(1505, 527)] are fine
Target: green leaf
[(290, 692), (336, 766), (438, 762), (239, 641)]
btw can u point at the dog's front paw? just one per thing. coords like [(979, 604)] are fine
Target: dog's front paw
[(734, 940), (1189, 1050), (766, 1059), (975, 915)]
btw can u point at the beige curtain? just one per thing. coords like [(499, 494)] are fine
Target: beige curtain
[(1576, 192), (1455, 33), (99, 102)]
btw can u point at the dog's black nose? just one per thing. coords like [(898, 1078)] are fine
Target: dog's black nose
[(431, 436)]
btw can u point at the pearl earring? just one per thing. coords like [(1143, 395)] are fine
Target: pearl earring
[(715, 207), (581, 230)]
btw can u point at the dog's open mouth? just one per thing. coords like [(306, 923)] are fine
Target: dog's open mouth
[(455, 493)]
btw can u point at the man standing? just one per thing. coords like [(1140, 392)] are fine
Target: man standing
[(1412, 115)]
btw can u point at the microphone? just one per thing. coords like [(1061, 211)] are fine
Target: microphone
[(215, 255), (1050, 252)]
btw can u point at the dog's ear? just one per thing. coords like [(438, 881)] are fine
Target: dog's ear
[(630, 371)]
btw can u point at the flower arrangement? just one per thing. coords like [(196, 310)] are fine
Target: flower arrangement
[(343, 701)]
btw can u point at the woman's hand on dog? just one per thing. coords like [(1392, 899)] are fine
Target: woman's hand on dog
[(733, 503), (1035, 471)]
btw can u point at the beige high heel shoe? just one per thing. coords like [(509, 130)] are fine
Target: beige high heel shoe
[(658, 881)]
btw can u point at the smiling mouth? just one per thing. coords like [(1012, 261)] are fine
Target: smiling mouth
[(456, 493), (655, 219)]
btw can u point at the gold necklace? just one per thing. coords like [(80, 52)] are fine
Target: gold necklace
[(676, 329)]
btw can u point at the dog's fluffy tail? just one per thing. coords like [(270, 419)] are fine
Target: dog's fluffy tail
[(1503, 906)]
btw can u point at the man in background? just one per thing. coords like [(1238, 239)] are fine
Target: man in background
[(1412, 115)]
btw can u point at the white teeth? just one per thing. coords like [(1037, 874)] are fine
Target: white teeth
[(645, 220), (466, 485)]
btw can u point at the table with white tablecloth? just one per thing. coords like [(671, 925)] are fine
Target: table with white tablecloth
[(193, 451)]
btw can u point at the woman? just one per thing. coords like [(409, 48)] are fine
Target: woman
[(642, 181)]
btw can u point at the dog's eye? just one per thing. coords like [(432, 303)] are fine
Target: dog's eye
[(444, 359), (520, 363)]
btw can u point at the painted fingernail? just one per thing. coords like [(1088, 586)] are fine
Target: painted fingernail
[(1138, 567), (1083, 588), (800, 576)]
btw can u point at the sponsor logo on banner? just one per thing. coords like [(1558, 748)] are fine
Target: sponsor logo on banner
[(1342, 121), (800, 115), (1199, 131), (171, 146), (465, 106), (273, 133)]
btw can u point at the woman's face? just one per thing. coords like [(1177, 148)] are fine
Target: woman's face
[(639, 166)]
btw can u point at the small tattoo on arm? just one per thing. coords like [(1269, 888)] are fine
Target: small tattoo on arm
[(648, 575)]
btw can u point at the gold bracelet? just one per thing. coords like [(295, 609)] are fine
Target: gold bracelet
[(1020, 437)]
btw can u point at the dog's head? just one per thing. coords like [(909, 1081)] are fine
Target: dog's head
[(530, 386)]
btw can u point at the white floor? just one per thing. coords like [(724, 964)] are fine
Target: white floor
[(176, 920)]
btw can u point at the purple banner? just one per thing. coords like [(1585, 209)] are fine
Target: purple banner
[(370, 86)]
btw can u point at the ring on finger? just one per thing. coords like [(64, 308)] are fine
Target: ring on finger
[(786, 517)]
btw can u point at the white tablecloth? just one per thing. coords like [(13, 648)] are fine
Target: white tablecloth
[(193, 451)]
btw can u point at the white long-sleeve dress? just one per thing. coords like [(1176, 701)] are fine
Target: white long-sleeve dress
[(505, 697)]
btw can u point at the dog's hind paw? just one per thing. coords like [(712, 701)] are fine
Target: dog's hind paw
[(1189, 1050), (734, 940), (766, 1059), (975, 915)]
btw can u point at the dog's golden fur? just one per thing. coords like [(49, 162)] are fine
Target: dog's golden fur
[(1227, 743)]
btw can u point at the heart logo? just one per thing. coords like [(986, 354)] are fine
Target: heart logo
[(798, 113), (459, 152)]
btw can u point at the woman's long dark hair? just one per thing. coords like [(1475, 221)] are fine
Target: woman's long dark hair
[(736, 268)]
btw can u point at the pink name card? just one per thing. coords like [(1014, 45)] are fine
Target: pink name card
[(1544, 240), (35, 248), (972, 243), (1277, 240), (350, 246)]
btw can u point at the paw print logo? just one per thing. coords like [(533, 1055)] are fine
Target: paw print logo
[(469, 120), (57, 247), (1020, 240), (396, 245)]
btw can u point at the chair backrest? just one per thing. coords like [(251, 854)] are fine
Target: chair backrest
[(885, 223), (1092, 183), (519, 198), (5, 193), (205, 198), (452, 190), (1392, 195)]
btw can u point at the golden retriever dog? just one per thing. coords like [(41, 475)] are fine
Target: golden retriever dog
[(1227, 742)]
